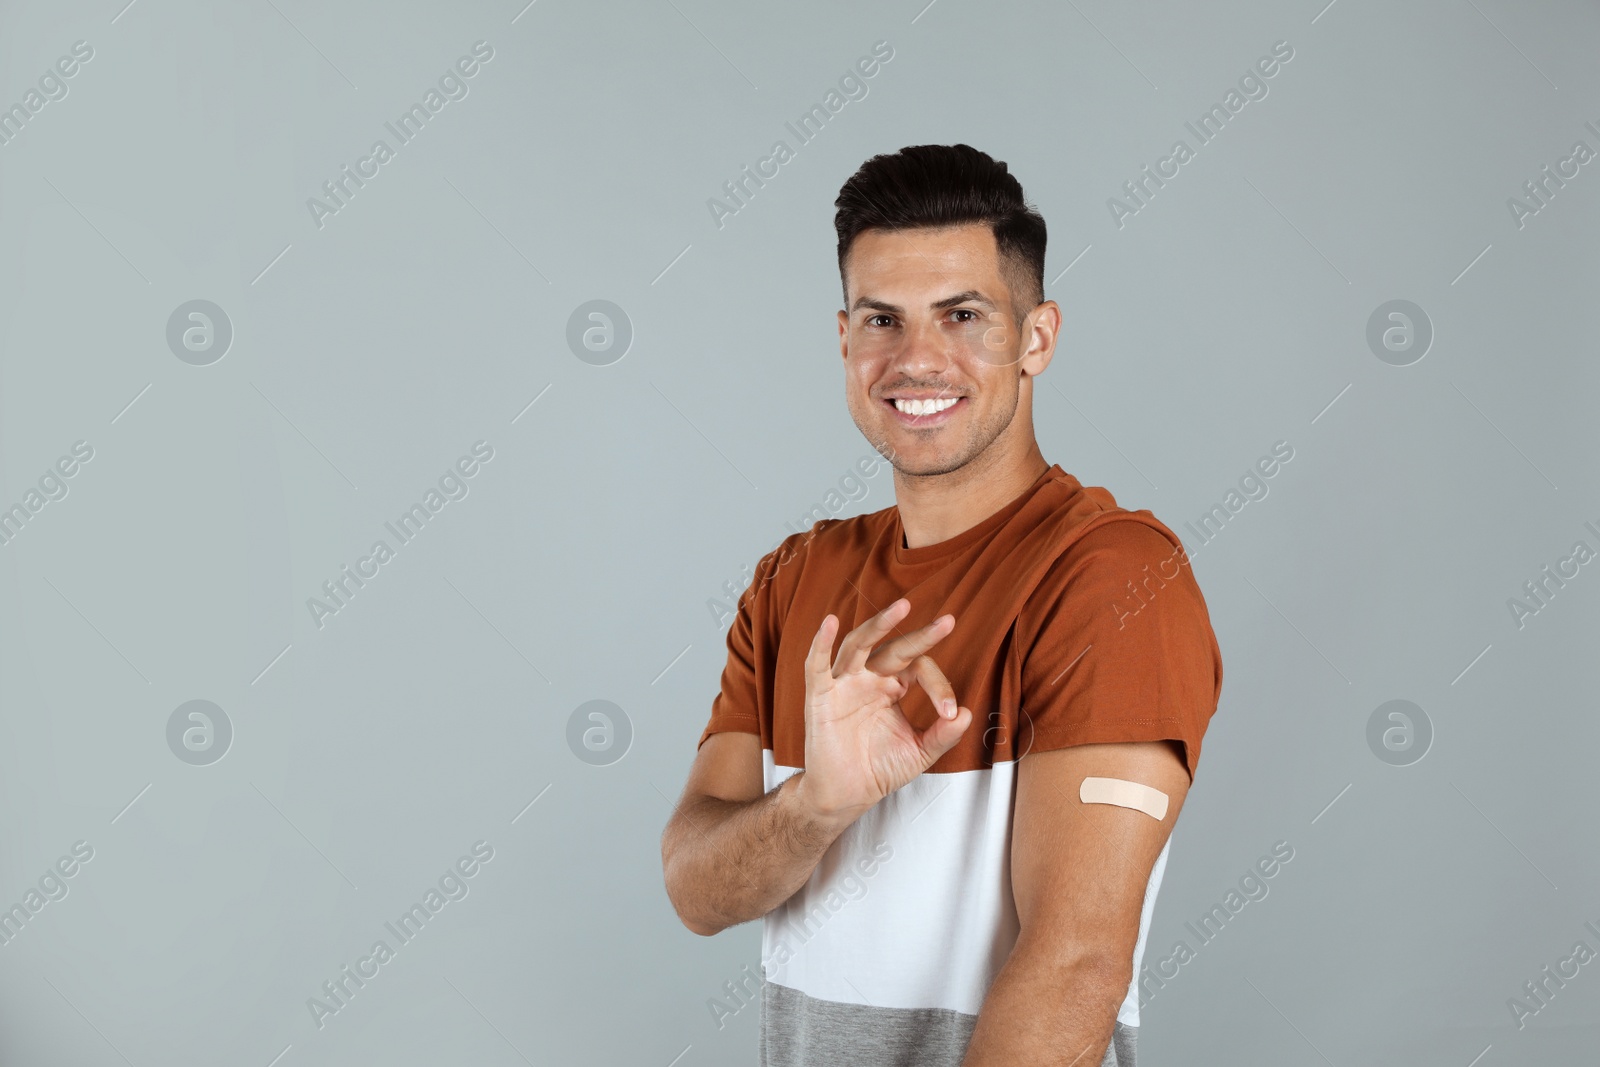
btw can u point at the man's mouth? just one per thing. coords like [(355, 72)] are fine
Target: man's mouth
[(923, 412)]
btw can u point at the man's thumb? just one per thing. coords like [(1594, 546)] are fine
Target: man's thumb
[(942, 734)]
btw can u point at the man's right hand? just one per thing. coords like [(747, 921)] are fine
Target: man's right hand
[(859, 745)]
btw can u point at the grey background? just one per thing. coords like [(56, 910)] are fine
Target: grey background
[(370, 353)]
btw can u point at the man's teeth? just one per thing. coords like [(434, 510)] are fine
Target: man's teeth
[(924, 407)]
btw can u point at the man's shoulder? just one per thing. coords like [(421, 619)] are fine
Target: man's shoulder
[(826, 543), (834, 537), (1090, 549), (1086, 527), (1120, 534)]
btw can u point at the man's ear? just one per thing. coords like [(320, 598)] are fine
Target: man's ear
[(1043, 325), (844, 335)]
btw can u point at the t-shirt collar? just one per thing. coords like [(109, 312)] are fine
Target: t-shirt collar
[(951, 545)]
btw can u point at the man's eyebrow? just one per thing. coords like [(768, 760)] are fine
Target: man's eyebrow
[(970, 296)]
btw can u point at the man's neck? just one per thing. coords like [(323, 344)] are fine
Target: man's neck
[(938, 507)]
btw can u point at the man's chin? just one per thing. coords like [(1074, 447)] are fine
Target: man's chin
[(917, 464)]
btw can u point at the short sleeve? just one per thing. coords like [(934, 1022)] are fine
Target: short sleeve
[(1118, 646), (737, 704)]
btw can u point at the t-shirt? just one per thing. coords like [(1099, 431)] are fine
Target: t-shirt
[(1077, 622)]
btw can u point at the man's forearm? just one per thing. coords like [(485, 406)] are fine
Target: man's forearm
[(1047, 1012), (728, 862)]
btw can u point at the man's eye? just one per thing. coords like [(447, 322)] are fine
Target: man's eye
[(873, 320), (966, 311)]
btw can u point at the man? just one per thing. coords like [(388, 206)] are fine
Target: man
[(955, 819)]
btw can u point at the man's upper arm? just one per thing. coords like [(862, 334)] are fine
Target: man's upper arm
[(746, 687), (728, 767), (1121, 678), (1079, 871), (728, 764)]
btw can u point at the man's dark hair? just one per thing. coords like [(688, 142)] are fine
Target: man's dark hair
[(934, 185)]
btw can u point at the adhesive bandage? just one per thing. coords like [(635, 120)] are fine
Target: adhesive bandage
[(1153, 802)]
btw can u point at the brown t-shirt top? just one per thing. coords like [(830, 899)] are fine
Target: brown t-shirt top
[(1077, 621)]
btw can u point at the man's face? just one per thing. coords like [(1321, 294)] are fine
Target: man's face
[(930, 319)]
